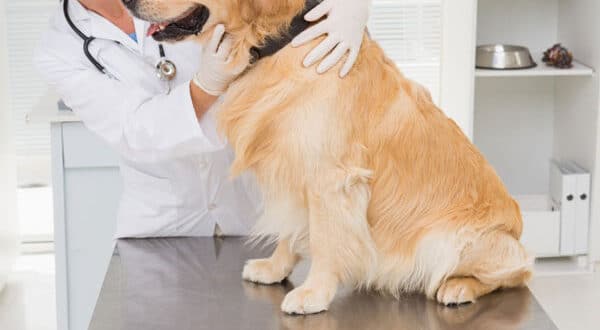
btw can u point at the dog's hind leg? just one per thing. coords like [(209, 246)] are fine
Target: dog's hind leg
[(495, 260), (340, 244)]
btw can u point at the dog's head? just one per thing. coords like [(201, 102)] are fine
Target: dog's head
[(175, 20)]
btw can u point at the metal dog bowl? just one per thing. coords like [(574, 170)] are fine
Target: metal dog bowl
[(504, 57)]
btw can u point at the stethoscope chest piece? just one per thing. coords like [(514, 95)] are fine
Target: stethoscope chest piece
[(166, 70)]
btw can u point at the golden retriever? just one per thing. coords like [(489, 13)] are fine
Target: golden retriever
[(363, 174)]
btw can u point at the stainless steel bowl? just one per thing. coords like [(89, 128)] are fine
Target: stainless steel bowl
[(504, 57)]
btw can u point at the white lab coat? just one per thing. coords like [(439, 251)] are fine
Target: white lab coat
[(175, 169)]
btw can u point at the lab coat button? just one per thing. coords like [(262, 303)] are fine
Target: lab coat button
[(212, 206), (202, 165)]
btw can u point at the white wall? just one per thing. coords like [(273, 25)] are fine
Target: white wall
[(514, 128), (31, 103), (512, 22), (8, 181), (514, 117)]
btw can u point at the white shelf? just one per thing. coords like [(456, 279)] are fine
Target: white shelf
[(562, 266), (542, 70)]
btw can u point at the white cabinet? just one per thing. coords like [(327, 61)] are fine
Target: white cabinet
[(87, 188), (523, 119)]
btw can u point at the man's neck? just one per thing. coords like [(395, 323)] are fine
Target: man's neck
[(109, 9), (112, 10)]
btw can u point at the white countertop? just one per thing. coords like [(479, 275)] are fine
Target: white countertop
[(64, 117), (52, 115)]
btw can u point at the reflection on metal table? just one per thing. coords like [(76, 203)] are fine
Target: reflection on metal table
[(195, 283)]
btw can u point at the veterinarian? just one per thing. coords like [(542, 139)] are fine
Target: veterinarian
[(153, 101)]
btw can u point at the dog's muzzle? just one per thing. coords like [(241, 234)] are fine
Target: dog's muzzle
[(190, 23)]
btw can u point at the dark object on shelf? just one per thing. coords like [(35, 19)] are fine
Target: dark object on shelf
[(558, 56)]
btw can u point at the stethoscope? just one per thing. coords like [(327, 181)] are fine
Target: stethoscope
[(165, 69)]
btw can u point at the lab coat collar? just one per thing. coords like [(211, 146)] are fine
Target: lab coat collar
[(101, 28), (77, 12)]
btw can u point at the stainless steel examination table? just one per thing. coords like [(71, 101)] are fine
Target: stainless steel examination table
[(195, 283)]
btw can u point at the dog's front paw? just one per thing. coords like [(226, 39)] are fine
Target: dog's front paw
[(263, 271), (455, 292), (306, 301)]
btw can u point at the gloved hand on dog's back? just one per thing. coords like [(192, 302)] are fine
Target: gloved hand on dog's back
[(216, 71), (344, 26)]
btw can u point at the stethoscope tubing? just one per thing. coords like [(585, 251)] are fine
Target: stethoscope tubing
[(166, 70), (87, 40)]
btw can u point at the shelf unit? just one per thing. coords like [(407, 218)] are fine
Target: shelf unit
[(524, 118), (542, 70)]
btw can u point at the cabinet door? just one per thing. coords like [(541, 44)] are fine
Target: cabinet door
[(83, 149), (91, 196), (87, 187)]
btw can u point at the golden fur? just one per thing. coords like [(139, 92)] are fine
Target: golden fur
[(365, 174)]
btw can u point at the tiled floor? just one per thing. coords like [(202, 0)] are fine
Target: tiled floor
[(572, 301)]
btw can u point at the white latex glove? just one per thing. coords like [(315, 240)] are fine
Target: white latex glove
[(216, 72), (344, 26)]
